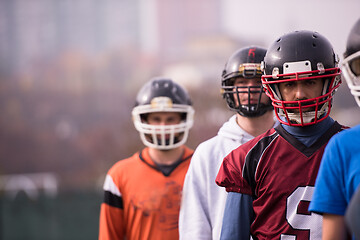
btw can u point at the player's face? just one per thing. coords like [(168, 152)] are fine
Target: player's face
[(301, 90), (249, 86), (164, 118)]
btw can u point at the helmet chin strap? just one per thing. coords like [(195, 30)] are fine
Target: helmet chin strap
[(307, 117), (296, 119)]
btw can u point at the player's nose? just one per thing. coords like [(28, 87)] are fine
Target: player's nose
[(300, 92)]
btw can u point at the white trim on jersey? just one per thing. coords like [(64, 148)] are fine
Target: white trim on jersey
[(110, 186)]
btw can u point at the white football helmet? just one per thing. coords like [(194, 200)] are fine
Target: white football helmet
[(351, 63), (163, 95)]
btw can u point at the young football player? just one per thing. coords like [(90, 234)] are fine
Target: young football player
[(143, 192), (203, 201), (339, 173), (271, 178)]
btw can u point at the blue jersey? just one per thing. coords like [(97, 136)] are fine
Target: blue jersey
[(339, 173)]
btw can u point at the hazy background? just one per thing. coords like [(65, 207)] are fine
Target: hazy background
[(69, 73)]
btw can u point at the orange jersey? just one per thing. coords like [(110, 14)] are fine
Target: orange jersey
[(140, 201)]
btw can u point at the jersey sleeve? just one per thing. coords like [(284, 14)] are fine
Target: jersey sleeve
[(230, 173), (329, 196), (238, 216), (193, 218), (111, 223)]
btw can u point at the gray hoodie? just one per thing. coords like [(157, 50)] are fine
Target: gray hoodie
[(203, 202)]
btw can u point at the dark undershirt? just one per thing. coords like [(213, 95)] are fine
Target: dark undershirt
[(309, 134), (167, 169)]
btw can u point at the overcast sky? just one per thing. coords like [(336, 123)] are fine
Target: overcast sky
[(269, 19)]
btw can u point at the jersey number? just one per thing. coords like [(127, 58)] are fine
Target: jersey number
[(311, 222)]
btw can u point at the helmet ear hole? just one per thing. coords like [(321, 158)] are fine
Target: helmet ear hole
[(183, 116), (351, 63), (144, 117)]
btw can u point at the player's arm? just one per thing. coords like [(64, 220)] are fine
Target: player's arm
[(111, 222), (333, 227), (110, 219), (238, 216)]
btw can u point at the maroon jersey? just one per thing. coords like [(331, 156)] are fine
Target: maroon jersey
[(279, 172)]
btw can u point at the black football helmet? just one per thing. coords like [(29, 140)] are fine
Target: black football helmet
[(245, 63), (299, 56), (163, 95), (351, 63)]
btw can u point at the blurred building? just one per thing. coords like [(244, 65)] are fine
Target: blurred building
[(42, 29), (70, 69)]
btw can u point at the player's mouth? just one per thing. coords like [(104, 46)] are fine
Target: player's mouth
[(295, 108), (251, 102)]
